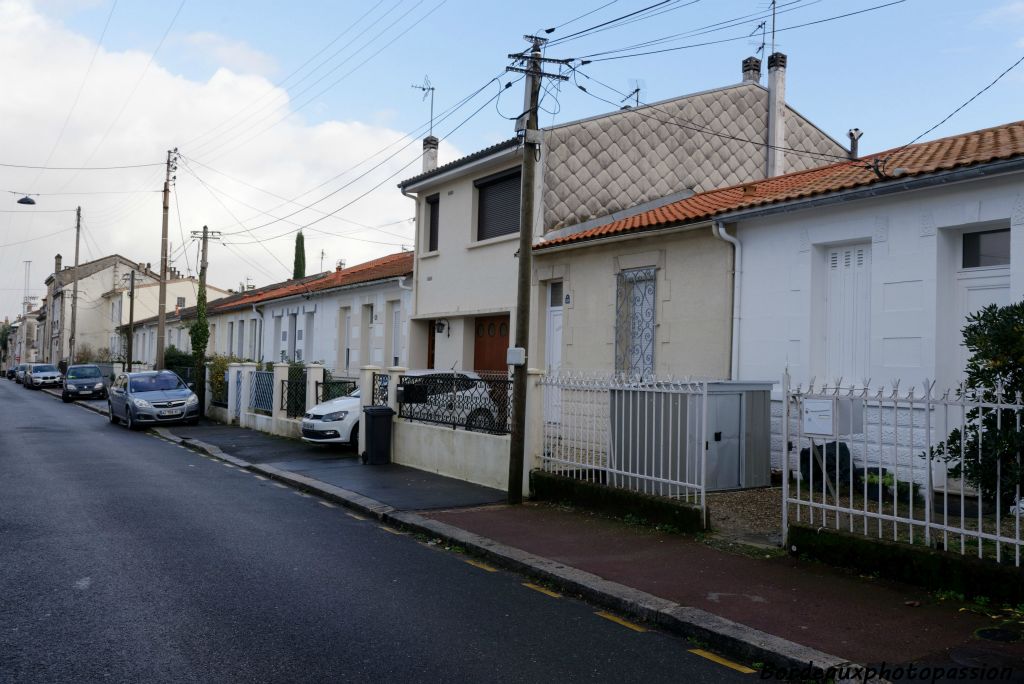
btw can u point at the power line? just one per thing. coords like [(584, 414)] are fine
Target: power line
[(747, 37), (38, 237), (282, 82), (689, 125), (562, 39), (391, 42), (79, 168)]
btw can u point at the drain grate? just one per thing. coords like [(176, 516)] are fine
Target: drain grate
[(998, 634)]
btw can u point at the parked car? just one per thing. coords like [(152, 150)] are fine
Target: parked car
[(456, 398), (333, 422), (19, 373), (40, 375), (151, 397), (83, 381), (11, 372)]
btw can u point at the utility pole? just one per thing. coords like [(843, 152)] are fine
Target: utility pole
[(74, 288), (172, 166), (532, 139), (200, 332), (131, 318)]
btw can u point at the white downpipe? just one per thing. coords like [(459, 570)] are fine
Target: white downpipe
[(718, 230)]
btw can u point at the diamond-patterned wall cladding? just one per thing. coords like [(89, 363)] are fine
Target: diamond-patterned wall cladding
[(601, 166)]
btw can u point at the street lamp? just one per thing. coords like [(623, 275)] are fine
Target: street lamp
[(26, 200)]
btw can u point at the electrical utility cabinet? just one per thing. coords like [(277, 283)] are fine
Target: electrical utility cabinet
[(656, 434)]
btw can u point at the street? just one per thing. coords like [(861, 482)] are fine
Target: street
[(127, 558)]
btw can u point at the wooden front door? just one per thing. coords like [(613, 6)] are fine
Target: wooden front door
[(490, 343)]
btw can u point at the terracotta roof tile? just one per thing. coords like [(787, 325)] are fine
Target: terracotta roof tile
[(968, 149)]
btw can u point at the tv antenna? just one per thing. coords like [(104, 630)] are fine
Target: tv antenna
[(428, 89), (636, 87)]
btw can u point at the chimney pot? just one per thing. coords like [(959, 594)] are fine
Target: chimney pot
[(854, 135), (56, 263), (430, 144), (776, 60), (751, 70)]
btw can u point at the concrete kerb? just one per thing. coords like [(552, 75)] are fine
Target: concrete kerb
[(717, 632)]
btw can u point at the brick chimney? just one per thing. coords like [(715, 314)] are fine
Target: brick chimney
[(429, 153), (56, 263), (776, 114), (751, 70)]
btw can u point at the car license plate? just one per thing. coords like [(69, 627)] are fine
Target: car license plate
[(170, 412), (85, 391), (306, 425)]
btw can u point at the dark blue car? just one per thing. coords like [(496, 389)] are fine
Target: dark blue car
[(151, 397)]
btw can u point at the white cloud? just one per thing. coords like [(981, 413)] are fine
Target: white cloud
[(42, 64), (236, 55)]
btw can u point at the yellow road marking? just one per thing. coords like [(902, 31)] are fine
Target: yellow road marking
[(260, 477), (722, 661), (227, 465), (326, 503), (353, 515), (543, 590), (278, 484), (482, 566), (625, 623), (391, 530)]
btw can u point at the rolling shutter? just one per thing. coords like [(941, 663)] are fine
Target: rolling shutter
[(433, 209), (498, 205)]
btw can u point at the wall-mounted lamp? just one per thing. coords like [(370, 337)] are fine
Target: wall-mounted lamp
[(439, 326)]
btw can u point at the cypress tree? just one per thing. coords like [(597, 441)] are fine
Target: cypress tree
[(299, 269)]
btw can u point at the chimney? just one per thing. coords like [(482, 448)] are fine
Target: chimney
[(751, 70), (776, 113), (56, 263), (854, 135), (142, 267), (429, 153)]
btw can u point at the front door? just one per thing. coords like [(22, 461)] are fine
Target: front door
[(848, 314), (490, 345), (553, 348), (976, 289)]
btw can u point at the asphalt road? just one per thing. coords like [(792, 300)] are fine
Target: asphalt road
[(126, 558)]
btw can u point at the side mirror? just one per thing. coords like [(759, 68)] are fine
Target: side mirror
[(192, 386)]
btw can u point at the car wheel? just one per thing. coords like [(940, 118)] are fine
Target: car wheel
[(65, 398), (353, 437), (128, 422), (111, 415), (480, 420)]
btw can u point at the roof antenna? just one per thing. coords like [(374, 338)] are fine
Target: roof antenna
[(428, 89), (634, 94)]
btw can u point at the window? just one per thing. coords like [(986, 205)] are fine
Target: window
[(555, 293), (181, 302), (987, 248), (433, 217), (635, 321), (498, 204)]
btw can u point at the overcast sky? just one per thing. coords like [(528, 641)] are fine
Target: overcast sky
[(274, 104)]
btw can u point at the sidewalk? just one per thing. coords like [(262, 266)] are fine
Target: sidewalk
[(751, 602)]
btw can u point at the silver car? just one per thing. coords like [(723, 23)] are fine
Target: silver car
[(40, 375), (139, 399)]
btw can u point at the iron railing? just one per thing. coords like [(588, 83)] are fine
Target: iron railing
[(907, 466), (261, 392), (332, 388), (480, 404), (380, 390), (641, 434)]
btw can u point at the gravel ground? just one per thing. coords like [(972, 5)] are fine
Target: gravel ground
[(747, 513)]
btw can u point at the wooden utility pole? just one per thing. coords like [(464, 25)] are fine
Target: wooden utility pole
[(532, 139), (162, 303), (200, 331), (131, 319), (74, 288)]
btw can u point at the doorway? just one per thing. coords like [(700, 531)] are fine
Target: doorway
[(490, 344)]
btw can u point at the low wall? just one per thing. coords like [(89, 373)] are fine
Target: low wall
[(471, 456), (219, 414)]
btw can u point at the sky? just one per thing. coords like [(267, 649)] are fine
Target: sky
[(304, 113)]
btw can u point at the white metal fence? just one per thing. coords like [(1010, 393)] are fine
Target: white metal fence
[(646, 436), (906, 465)]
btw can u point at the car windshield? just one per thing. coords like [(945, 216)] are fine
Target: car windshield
[(156, 383), (82, 373), (44, 369)]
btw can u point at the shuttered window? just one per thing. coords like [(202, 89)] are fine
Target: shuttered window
[(433, 217), (498, 205)]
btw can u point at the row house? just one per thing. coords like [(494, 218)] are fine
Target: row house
[(103, 303), (343, 319), (591, 172)]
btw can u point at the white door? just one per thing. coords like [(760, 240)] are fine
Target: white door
[(848, 314), (553, 345), (976, 290)]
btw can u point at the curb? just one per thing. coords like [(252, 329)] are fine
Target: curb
[(88, 407), (720, 633)]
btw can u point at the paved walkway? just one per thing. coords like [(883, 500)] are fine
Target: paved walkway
[(398, 486)]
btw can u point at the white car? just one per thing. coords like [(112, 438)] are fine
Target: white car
[(333, 422)]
